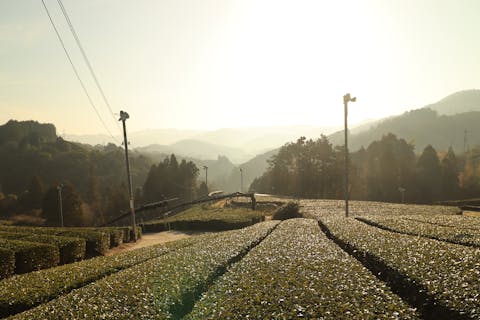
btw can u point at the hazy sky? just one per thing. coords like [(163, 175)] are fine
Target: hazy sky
[(207, 64)]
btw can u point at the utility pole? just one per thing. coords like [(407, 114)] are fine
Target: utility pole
[(60, 205), (206, 177), (241, 180), (123, 117), (465, 142), (402, 191), (346, 99)]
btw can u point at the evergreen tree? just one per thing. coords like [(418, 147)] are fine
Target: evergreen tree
[(429, 175), (32, 198), (71, 207), (450, 182)]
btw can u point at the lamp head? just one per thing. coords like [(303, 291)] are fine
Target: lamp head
[(347, 98), (123, 116)]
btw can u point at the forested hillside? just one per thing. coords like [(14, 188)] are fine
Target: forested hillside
[(315, 169), (441, 125)]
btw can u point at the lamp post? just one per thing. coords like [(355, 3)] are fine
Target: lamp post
[(123, 117), (206, 177), (60, 204), (346, 99), (402, 191), (241, 180)]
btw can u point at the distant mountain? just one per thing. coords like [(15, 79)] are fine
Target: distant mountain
[(252, 140), (441, 124), (260, 139), (423, 127), (197, 149), (252, 169), (137, 138), (459, 102)]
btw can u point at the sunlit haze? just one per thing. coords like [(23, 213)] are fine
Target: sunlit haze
[(216, 64)]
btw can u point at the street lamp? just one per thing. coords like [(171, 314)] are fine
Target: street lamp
[(241, 180), (346, 99), (402, 191), (60, 205), (206, 177), (123, 117)]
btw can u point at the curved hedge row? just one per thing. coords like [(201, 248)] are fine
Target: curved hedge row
[(71, 249), (161, 288), (207, 218), (31, 256), (7, 263), (296, 272), (324, 208), (449, 274), (22, 292), (97, 242), (458, 221), (456, 235)]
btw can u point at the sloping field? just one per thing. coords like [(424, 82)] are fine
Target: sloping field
[(406, 264)]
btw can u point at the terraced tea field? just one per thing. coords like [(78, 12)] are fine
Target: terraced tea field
[(386, 261)]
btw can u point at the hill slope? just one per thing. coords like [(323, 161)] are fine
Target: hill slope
[(438, 124), (459, 102)]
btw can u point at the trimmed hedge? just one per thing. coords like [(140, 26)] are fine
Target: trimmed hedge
[(458, 235), (161, 288), (206, 218), (289, 210), (22, 292), (31, 256), (458, 221), (71, 249), (7, 263), (447, 275), (97, 243), (324, 208), (296, 272)]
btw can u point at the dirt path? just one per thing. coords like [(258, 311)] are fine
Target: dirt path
[(150, 239)]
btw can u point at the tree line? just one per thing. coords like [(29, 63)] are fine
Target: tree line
[(380, 172), (35, 161)]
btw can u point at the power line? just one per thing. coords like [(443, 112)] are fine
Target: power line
[(76, 72), (87, 61)]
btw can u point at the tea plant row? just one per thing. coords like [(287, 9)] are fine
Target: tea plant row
[(160, 288), (297, 272), (25, 249), (449, 274), (460, 235)]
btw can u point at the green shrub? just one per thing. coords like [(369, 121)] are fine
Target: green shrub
[(22, 292), (71, 249), (429, 228), (7, 263), (297, 272), (447, 273), (206, 218), (97, 242), (160, 288), (289, 210), (31, 256)]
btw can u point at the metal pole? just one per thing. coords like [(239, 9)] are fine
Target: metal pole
[(241, 180), (60, 205), (123, 117), (346, 99), (206, 176), (345, 102)]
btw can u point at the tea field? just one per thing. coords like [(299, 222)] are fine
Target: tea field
[(386, 261)]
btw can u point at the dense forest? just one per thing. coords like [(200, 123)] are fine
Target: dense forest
[(315, 169), (35, 161)]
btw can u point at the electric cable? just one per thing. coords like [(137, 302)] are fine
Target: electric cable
[(76, 71), (87, 61)]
